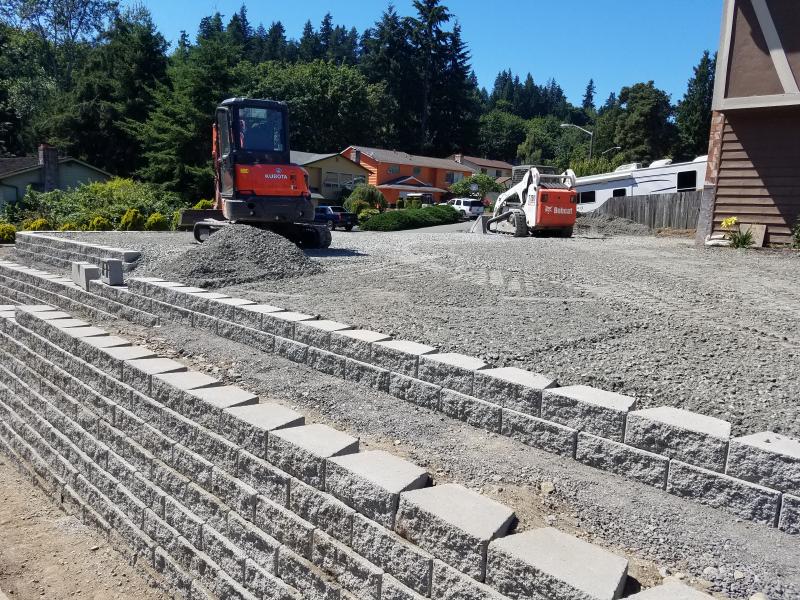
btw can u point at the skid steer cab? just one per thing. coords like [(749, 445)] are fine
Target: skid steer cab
[(256, 182), (542, 203)]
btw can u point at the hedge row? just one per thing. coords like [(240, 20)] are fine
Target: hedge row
[(412, 218)]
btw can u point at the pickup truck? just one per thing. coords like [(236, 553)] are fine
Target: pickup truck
[(335, 216)]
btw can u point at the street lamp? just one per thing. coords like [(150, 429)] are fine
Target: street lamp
[(586, 131), (610, 149)]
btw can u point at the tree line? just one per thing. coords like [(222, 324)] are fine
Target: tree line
[(103, 84)]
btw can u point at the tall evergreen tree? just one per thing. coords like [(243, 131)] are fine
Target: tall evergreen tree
[(309, 46), (240, 33), (644, 129), (325, 36), (693, 114), (588, 97), (275, 47)]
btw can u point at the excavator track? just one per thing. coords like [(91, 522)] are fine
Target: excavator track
[(305, 235)]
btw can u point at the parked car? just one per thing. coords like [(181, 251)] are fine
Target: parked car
[(335, 216), (468, 207)]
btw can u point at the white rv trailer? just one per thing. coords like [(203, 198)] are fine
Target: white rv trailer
[(661, 177)]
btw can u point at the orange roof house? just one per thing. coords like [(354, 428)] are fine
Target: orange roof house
[(400, 175)]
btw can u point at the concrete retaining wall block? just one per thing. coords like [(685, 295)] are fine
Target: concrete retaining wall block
[(671, 591), (248, 425), (454, 524), (317, 333), (450, 370), (415, 391), (302, 451), (472, 411), (790, 514), (401, 356), (512, 388), (768, 459), (621, 459), (546, 563), (353, 572), (539, 433), (323, 510), (355, 343), (686, 436), (588, 409)]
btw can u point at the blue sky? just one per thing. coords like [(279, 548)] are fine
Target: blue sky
[(616, 42)]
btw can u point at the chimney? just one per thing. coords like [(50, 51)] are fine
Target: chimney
[(48, 160), (355, 156), (459, 158)]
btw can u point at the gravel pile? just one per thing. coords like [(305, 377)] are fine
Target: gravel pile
[(597, 224), (238, 254)]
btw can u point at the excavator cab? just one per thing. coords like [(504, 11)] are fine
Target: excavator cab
[(256, 182)]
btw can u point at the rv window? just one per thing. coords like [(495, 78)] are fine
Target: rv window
[(586, 197), (618, 193), (687, 181)]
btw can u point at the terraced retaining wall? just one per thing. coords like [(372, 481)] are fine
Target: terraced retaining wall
[(231, 498), (756, 477)]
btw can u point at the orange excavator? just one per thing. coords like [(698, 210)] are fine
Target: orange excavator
[(256, 182)]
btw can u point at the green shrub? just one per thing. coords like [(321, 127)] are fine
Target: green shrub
[(132, 220), (796, 235), (8, 233), (204, 205), (40, 224), (741, 239), (365, 194), (366, 214), (69, 226), (414, 202), (401, 203), (412, 218), (156, 222), (98, 223), (176, 220)]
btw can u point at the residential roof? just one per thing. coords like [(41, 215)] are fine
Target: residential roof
[(487, 163), (502, 180), (412, 188), (403, 158), (20, 164), (304, 158), (17, 163)]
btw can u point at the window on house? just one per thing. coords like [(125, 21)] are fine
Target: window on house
[(394, 169), (483, 171), (586, 197), (498, 173), (452, 177), (619, 193), (417, 171), (359, 179), (687, 181)]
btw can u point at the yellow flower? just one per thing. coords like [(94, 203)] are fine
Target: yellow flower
[(730, 222)]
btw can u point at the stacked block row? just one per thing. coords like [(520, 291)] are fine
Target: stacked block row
[(685, 453), (25, 285), (60, 251), (232, 498)]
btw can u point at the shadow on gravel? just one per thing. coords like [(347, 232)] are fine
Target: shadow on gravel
[(334, 252)]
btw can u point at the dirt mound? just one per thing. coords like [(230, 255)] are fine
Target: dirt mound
[(609, 225), (239, 254)]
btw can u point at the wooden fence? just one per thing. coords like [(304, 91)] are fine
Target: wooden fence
[(676, 211)]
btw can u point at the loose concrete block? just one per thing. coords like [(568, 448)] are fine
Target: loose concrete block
[(547, 563), (366, 374), (588, 409), (234, 492), (306, 578), (265, 342), (294, 351), (351, 570), (265, 478), (355, 343), (454, 524), (789, 520), (768, 459), (285, 526), (512, 388), (400, 356), (415, 391), (265, 585), (257, 545), (248, 425), (86, 273), (76, 270), (321, 509), (111, 271), (317, 332), (206, 506), (621, 459), (250, 315), (224, 553), (686, 436), (671, 591), (450, 370), (282, 323), (138, 372), (539, 433), (387, 550), (371, 482), (450, 584), (326, 362), (392, 589), (302, 451), (747, 500), (472, 411)]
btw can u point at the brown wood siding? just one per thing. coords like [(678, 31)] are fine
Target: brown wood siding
[(759, 174)]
